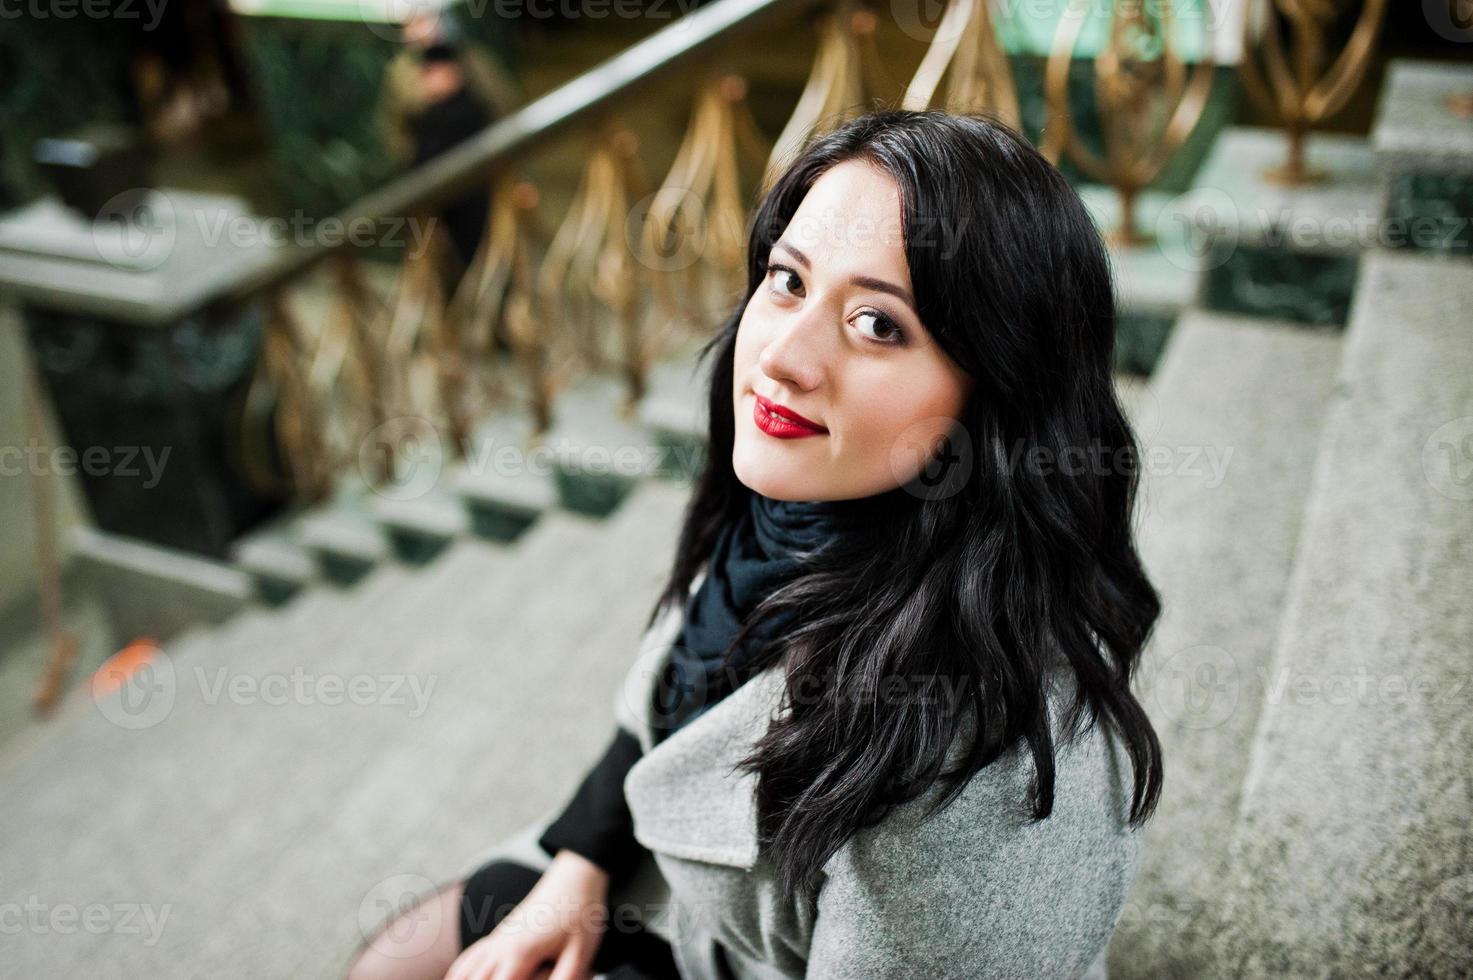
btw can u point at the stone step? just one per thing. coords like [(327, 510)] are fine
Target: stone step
[(504, 484), (598, 451), (277, 561), (83, 728), (1153, 283), (528, 712), (409, 755), (1424, 155), (1276, 251), (186, 775), (151, 590), (1353, 852), (421, 524), (675, 409), (343, 535), (1228, 429)]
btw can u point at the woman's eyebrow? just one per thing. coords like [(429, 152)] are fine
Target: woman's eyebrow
[(868, 282)]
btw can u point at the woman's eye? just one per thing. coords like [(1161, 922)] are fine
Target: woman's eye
[(891, 333), (781, 272)]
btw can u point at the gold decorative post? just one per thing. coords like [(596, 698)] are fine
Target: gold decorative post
[(62, 644), (497, 300), (280, 402), (694, 228), (844, 76), (980, 77), (1303, 87), (350, 346), (1149, 102), (591, 264)]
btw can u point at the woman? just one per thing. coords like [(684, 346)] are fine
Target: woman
[(892, 734)]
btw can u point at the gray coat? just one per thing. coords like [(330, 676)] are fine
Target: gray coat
[(975, 892)]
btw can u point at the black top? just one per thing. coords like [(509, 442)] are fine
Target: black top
[(596, 823)]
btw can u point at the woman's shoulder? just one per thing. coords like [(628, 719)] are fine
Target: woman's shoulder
[(986, 861), (981, 881), (1092, 790)]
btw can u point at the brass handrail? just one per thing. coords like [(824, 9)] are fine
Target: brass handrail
[(464, 166)]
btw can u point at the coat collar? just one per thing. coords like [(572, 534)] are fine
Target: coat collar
[(684, 794)]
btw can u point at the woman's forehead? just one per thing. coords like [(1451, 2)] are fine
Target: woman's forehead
[(851, 211)]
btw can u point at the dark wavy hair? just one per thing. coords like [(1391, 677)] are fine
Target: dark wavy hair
[(990, 585)]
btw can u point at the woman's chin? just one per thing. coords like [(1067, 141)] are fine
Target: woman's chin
[(765, 471)]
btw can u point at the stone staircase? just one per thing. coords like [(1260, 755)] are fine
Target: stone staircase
[(1230, 434), (586, 463), (1309, 678), (260, 812), (1351, 850)]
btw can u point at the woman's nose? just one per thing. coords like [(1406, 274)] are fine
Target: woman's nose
[(797, 349)]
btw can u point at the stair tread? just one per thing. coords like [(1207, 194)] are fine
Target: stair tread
[(1380, 590), (1229, 425)]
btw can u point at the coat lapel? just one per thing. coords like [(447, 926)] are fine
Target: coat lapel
[(685, 796)]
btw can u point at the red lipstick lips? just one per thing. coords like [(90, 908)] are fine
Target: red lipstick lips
[(784, 423)]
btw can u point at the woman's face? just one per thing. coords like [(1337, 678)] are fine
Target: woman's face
[(832, 335)]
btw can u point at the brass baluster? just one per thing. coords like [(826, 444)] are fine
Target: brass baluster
[(1303, 89), (704, 190), (980, 78), (498, 297), (363, 362), (62, 652), (591, 263), (843, 78), (299, 428), (1134, 91)]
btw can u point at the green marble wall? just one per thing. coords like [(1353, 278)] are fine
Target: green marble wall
[(55, 74), (318, 83), (1283, 284), (168, 405), (1435, 208)]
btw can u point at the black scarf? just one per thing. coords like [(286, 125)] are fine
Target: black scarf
[(754, 555)]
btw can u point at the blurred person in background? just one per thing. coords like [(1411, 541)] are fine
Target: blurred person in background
[(438, 91), (404, 94), (449, 114)]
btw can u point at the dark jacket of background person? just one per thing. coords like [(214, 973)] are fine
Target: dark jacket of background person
[(435, 129)]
